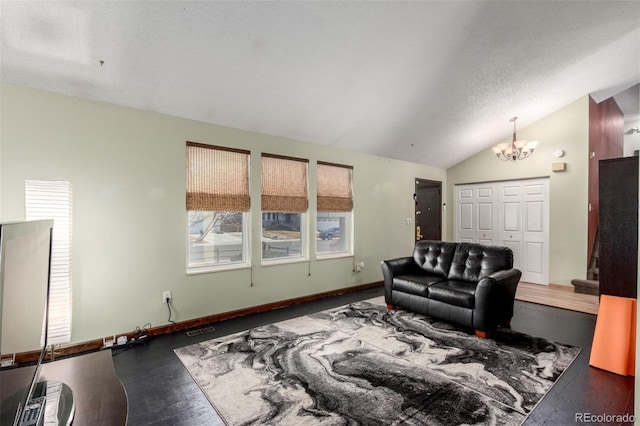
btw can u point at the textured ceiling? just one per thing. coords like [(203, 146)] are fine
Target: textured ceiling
[(429, 82)]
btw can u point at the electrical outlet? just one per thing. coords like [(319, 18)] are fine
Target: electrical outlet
[(8, 362), (166, 296)]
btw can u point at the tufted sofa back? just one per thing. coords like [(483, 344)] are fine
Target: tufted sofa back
[(461, 261), (434, 256)]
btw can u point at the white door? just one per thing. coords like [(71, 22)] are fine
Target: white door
[(486, 214), (536, 232), (510, 219), (465, 208), (514, 214), (476, 213)]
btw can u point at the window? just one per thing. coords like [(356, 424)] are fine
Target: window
[(285, 202), (53, 200), (335, 204), (217, 207)]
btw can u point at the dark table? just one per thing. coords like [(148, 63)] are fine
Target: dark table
[(99, 395)]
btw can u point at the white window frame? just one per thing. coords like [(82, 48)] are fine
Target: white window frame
[(206, 188), (304, 244), (289, 196), (348, 252), (224, 266)]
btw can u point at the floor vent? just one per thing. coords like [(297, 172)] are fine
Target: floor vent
[(200, 331)]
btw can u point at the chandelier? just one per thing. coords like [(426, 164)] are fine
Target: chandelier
[(517, 149)]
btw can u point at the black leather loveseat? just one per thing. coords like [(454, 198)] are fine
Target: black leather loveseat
[(469, 284)]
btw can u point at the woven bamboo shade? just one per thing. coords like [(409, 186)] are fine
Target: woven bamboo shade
[(284, 184), (334, 188), (217, 179)]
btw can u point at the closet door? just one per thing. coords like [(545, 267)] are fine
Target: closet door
[(510, 219), (476, 213), (536, 232), (465, 208), (524, 226), (514, 214)]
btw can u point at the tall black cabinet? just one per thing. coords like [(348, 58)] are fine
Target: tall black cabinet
[(618, 228)]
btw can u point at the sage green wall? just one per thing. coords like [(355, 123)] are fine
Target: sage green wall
[(567, 129), (127, 168)]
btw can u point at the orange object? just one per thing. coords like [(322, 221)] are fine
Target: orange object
[(614, 340)]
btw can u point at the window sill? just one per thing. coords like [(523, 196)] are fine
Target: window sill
[(208, 270), (333, 256), (283, 261)]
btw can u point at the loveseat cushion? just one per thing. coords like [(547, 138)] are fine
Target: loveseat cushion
[(453, 292), (415, 284), (434, 257), (472, 262)]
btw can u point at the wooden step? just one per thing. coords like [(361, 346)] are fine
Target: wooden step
[(586, 286), (559, 296)]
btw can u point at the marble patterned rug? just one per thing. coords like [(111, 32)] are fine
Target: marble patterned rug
[(361, 364)]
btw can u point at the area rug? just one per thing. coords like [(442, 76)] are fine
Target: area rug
[(361, 364)]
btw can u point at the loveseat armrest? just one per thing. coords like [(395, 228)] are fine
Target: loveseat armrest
[(396, 267), (508, 279), (494, 299)]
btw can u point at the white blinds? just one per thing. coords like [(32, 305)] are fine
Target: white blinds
[(53, 200)]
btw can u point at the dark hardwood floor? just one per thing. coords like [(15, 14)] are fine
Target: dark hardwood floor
[(161, 392)]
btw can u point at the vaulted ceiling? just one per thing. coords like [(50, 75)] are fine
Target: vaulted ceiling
[(430, 82)]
